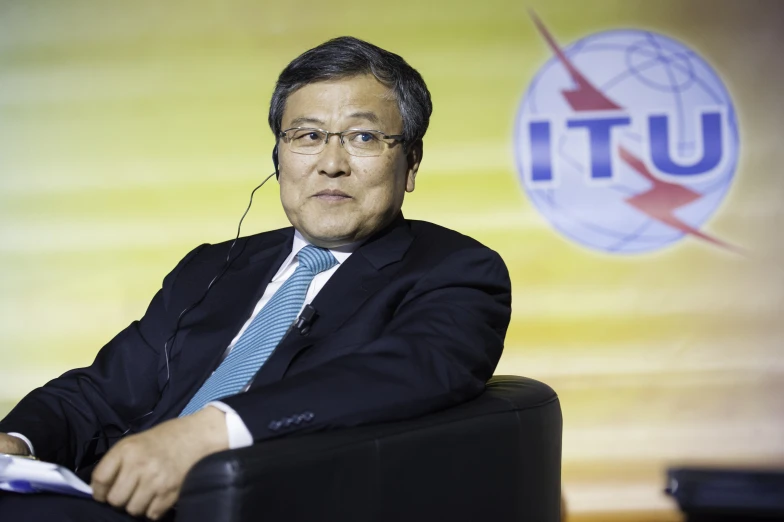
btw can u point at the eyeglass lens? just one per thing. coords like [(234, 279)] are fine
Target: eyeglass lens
[(356, 142)]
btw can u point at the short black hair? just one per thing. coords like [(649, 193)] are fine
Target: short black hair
[(345, 57)]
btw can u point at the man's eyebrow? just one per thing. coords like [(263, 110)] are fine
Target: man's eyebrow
[(360, 115), (297, 122)]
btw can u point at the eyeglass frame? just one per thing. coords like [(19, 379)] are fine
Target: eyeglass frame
[(396, 137)]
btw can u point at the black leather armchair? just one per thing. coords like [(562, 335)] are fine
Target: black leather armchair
[(495, 458)]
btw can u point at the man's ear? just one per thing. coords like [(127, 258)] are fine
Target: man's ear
[(414, 158)]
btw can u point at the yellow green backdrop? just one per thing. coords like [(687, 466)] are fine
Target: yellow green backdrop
[(132, 131)]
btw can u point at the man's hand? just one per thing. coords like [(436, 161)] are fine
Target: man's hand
[(13, 445), (143, 473)]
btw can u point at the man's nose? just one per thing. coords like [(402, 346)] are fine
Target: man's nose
[(333, 161)]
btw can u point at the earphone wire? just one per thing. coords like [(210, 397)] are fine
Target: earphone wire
[(226, 266)]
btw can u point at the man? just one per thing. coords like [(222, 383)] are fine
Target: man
[(403, 318)]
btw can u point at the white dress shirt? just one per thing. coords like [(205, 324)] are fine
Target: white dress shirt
[(239, 435)]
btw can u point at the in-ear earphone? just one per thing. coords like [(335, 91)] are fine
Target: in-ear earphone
[(275, 161)]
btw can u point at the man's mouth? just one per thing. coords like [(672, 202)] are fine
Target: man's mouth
[(331, 195)]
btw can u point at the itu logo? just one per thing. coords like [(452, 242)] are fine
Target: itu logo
[(626, 141)]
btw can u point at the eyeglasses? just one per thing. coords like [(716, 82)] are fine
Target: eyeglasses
[(357, 142)]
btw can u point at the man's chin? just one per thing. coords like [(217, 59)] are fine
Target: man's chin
[(330, 237)]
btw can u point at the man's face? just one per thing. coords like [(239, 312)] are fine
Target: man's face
[(334, 198)]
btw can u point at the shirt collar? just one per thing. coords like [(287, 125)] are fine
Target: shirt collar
[(341, 253)]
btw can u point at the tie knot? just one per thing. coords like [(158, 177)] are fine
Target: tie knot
[(316, 259)]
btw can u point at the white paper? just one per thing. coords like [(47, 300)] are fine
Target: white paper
[(23, 475)]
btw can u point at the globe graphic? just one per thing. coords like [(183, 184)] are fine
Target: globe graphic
[(644, 73)]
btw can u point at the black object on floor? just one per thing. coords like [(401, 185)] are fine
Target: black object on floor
[(728, 495)]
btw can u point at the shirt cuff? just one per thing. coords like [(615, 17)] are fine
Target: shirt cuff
[(27, 441), (239, 435)]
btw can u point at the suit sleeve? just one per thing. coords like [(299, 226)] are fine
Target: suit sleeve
[(440, 348), (86, 406)]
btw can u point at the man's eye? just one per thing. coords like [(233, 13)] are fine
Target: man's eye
[(307, 136), (364, 137)]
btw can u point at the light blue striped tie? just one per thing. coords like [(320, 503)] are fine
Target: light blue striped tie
[(264, 333)]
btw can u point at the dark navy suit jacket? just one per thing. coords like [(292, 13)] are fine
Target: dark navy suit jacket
[(412, 322)]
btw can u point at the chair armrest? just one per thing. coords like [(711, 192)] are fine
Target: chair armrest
[(496, 457)]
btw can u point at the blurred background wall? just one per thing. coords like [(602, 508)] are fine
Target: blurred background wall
[(131, 132)]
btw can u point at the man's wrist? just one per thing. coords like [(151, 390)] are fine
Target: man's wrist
[(239, 435), (24, 446), (212, 424)]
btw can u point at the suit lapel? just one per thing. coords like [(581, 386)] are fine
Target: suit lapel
[(227, 306), (357, 279)]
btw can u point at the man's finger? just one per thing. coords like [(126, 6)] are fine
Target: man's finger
[(140, 500), (122, 489), (104, 475), (160, 505)]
